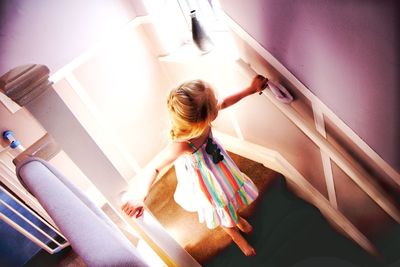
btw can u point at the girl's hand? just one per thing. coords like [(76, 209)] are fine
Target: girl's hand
[(132, 207), (258, 84)]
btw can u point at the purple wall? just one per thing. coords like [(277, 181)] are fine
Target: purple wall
[(55, 32), (345, 52)]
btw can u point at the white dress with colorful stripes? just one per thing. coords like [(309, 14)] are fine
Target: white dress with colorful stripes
[(215, 190)]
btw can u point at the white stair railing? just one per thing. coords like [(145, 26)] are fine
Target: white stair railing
[(46, 245)]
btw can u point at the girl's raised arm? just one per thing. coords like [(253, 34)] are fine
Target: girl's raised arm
[(257, 85), (134, 204), (164, 159)]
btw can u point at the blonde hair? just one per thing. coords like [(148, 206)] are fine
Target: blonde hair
[(192, 107)]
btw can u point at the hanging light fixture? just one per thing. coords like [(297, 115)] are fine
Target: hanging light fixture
[(200, 37)]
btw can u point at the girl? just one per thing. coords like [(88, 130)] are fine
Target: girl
[(209, 182)]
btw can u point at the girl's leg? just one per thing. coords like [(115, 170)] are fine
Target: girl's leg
[(244, 226), (240, 241)]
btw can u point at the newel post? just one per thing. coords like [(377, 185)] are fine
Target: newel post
[(29, 86)]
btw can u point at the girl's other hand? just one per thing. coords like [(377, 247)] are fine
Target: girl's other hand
[(133, 207), (258, 83)]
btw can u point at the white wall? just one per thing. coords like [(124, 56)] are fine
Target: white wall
[(128, 89), (55, 32)]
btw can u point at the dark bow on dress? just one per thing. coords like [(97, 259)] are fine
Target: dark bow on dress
[(213, 150)]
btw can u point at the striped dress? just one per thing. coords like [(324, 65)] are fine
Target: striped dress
[(214, 190)]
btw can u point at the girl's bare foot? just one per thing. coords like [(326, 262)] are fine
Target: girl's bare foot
[(240, 241), (244, 226), (246, 248)]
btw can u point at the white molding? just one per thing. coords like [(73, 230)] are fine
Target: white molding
[(385, 167), (9, 104), (275, 161), (235, 124), (358, 175), (326, 160)]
